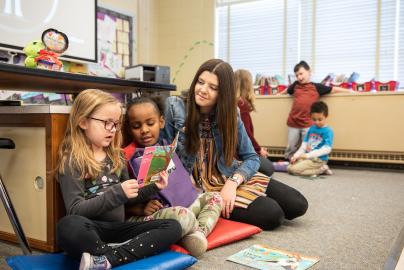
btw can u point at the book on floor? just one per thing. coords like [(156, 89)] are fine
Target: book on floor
[(155, 159), (264, 257)]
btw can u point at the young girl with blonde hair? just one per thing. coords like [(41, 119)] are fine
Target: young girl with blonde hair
[(95, 186), (245, 102)]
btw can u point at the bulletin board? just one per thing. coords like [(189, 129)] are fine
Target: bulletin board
[(115, 40)]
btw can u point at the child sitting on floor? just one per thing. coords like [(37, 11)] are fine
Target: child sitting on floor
[(197, 214), (245, 103), (95, 187), (312, 156)]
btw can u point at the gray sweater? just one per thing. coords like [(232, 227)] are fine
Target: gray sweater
[(101, 198)]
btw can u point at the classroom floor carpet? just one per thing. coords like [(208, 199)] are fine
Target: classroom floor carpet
[(353, 219)]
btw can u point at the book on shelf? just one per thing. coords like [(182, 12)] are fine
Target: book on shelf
[(291, 78), (155, 159), (354, 77), (328, 79), (264, 257)]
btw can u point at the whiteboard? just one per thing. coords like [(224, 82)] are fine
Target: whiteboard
[(22, 21)]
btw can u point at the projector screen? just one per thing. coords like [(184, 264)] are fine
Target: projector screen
[(22, 21)]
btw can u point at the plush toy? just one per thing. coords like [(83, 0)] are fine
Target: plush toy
[(55, 43), (32, 51)]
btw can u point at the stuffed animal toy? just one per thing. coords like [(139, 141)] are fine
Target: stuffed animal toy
[(55, 43), (32, 50)]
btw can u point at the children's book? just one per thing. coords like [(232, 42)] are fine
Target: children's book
[(263, 257), (155, 159)]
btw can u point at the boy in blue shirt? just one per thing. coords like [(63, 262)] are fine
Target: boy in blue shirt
[(312, 156)]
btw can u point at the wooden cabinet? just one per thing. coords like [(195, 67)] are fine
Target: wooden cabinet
[(28, 175)]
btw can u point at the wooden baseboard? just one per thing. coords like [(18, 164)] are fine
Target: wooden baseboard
[(33, 243)]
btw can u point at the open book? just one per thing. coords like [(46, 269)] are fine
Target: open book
[(155, 159), (263, 257)]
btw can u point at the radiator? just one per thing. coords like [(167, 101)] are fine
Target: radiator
[(355, 156)]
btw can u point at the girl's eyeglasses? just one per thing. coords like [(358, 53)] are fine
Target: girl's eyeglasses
[(109, 125)]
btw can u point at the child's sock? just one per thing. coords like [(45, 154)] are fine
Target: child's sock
[(326, 170), (196, 243)]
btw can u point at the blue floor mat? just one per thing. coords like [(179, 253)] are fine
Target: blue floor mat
[(168, 260)]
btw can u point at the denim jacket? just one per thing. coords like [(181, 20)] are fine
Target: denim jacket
[(175, 121)]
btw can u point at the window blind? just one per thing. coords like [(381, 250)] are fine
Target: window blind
[(399, 72), (365, 36), (255, 35), (346, 38)]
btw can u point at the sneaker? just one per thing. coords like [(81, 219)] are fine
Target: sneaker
[(196, 243), (89, 262)]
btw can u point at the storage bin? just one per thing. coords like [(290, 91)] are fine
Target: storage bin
[(388, 86), (346, 85), (275, 89), (362, 87), (264, 90)]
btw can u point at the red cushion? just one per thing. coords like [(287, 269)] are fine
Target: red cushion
[(228, 231), (179, 249), (225, 232)]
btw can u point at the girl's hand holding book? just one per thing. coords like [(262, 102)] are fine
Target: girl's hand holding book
[(152, 207), (131, 188), (163, 182)]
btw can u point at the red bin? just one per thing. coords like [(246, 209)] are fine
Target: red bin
[(345, 85), (362, 87), (388, 86)]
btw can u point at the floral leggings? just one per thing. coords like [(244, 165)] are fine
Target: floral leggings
[(202, 215)]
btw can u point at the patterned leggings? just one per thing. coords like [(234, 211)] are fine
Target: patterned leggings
[(202, 215), (133, 240)]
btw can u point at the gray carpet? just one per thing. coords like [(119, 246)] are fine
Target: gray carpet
[(353, 219)]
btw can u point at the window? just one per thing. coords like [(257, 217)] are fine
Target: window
[(270, 37), (251, 35)]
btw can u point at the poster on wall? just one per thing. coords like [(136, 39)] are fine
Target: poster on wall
[(114, 43)]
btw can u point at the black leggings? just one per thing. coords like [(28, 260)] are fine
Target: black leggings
[(266, 166), (269, 212), (78, 234)]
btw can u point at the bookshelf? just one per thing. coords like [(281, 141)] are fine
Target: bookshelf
[(15, 77)]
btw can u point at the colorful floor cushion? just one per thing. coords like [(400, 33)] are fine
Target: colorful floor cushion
[(178, 248), (228, 231), (225, 232), (168, 260)]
